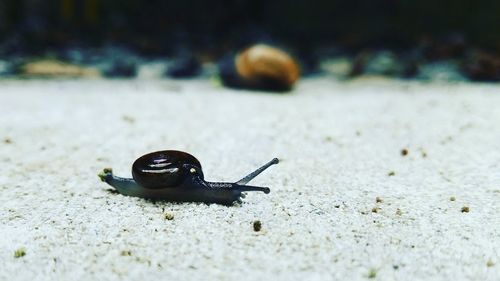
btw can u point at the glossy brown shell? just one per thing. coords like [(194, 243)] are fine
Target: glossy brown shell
[(265, 62), (163, 169)]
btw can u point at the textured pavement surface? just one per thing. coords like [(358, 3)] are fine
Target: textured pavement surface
[(340, 145)]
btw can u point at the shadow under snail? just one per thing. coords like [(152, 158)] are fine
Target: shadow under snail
[(173, 175)]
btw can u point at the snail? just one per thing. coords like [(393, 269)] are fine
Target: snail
[(260, 67), (177, 176)]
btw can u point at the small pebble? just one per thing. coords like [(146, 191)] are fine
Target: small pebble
[(185, 66), (126, 253), (122, 68), (7, 140), (490, 263), (404, 152), (21, 252), (399, 212), (375, 209), (372, 274), (452, 198), (128, 119), (391, 173), (257, 226), (169, 216), (465, 209), (379, 199)]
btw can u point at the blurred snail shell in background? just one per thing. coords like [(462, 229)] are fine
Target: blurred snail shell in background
[(260, 67)]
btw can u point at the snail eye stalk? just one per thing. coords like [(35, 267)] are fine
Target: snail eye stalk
[(255, 173)]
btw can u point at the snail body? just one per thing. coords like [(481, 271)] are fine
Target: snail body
[(177, 176)]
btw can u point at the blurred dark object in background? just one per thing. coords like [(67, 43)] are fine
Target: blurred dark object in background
[(408, 33), (121, 68), (482, 66), (383, 62), (184, 66)]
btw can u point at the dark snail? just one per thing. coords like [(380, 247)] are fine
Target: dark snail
[(177, 176)]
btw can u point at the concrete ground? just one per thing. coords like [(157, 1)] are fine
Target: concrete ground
[(340, 145)]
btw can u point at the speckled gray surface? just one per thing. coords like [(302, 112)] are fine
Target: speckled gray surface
[(338, 142)]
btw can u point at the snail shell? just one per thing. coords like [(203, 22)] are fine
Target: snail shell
[(265, 62), (167, 168), (260, 67)]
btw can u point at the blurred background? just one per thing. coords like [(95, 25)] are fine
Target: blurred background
[(450, 40)]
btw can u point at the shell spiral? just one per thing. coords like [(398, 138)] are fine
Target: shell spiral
[(163, 169)]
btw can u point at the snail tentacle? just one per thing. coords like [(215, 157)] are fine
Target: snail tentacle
[(255, 173), (125, 186), (244, 188)]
